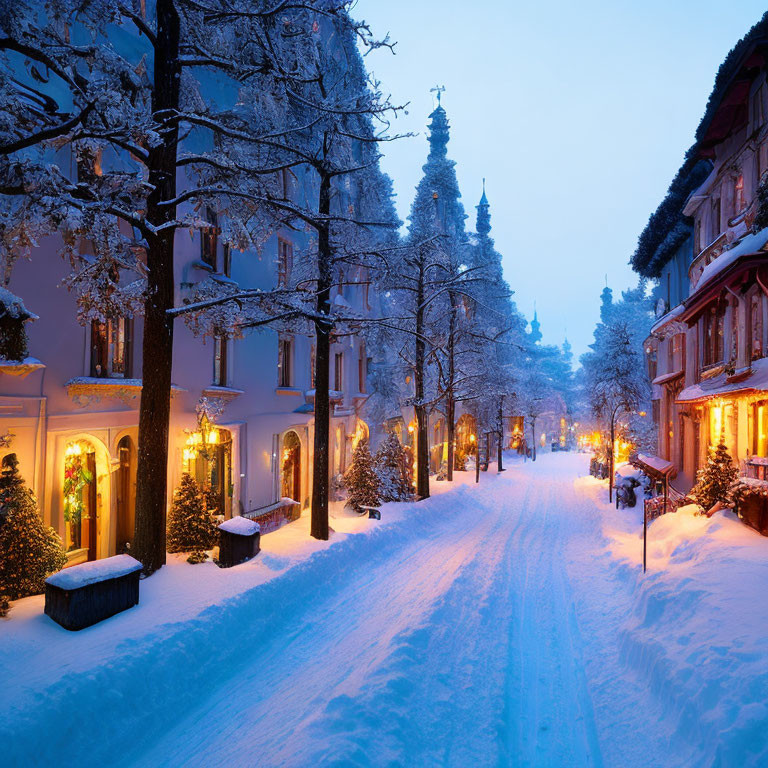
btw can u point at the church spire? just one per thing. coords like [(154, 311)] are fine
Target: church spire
[(439, 134), (535, 327), (483, 223)]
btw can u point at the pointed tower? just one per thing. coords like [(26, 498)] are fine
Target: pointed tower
[(567, 351), (606, 304), (483, 222), (436, 209), (535, 334)]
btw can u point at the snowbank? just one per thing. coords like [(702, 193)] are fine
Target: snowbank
[(694, 628)]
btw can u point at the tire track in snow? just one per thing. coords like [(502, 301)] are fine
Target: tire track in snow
[(554, 717), (338, 645)]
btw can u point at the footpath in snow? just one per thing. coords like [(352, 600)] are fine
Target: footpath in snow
[(502, 624)]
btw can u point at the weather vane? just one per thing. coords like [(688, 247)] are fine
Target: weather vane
[(438, 89)]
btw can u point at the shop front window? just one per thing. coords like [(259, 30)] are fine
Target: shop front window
[(760, 429)]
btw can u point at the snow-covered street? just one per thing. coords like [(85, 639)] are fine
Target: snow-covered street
[(499, 624)]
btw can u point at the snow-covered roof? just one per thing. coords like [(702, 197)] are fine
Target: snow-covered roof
[(13, 306), (242, 526), (664, 319), (665, 377), (81, 575), (719, 385), (655, 462), (748, 246)]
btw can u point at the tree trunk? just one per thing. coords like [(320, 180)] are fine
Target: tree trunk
[(487, 451), (533, 438), (500, 446), (610, 462), (450, 415), (422, 445), (320, 466), (157, 345), (450, 406)]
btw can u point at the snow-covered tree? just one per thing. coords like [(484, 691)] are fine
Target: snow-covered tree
[(393, 470), (361, 479), (139, 96), (714, 479), (614, 372), (190, 526), (31, 551)]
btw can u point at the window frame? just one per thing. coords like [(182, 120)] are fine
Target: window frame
[(285, 361), (220, 361), (209, 240), (102, 358)]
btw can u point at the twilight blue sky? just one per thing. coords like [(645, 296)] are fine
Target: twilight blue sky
[(577, 113)]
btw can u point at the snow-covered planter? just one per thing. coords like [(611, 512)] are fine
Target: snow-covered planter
[(750, 498), (239, 540), (86, 594)]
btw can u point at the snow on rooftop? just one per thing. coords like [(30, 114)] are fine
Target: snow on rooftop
[(664, 319), (242, 526), (655, 462), (748, 245), (77, 576), (13, 306), (718, 385)]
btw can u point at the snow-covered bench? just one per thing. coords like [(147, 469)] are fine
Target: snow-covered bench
[(86, 594), (239, 540), (374, 513)]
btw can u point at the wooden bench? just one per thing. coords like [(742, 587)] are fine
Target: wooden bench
[(239, 540), (86, 594), (373, 512)]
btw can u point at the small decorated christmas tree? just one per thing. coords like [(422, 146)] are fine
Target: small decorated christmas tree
[(29, 550), (190, 526), (392, 468), (361, 480), (715, 478)]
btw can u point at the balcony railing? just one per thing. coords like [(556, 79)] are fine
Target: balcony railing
[(705, 258)]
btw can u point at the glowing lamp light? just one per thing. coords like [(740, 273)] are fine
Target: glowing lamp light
[(410, 428), (471, 438)]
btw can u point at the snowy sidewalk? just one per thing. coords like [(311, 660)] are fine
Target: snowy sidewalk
[(500, 624)]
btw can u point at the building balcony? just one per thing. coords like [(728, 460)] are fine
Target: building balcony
[(705, 258), (88, 389)]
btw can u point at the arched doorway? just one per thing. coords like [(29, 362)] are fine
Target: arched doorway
[(125, 481), (80, 499), (290, 474)]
